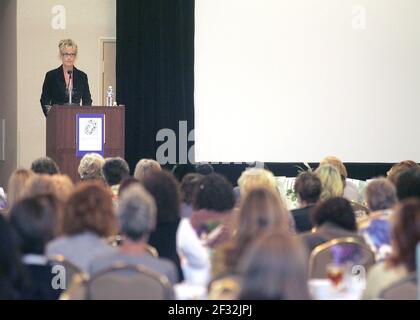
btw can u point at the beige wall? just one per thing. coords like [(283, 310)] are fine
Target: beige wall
[(8, 86), (37, 53)]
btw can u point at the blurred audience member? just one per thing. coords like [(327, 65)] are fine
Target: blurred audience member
[(115, 170), (204, 168), (35, 223), (275, 268), (212, 218), (261, 210), (381, 196), (16, 188), (164, 188), (137, 217), (332, 184), (45, 165), (405, 235), (332, 218), (10, 265), (350, 189), (145, 167), (188, 189), (408, 184), (88, 220), (90, 167), (396, 169), (308, 189)]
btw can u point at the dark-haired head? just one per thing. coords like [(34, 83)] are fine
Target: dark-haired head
[(308, 187), (115, 170), (408, 184), (164, 188), (337, 211), (214, 193), (45, 165)]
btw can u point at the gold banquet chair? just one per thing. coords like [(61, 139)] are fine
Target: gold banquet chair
[(122, 282), (353, 251), (404, 289), (116, 241), (71, 270)]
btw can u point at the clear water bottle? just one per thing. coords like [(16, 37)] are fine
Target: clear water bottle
[(109, 97)]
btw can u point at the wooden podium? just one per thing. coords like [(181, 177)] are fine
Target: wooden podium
[(62, 135)]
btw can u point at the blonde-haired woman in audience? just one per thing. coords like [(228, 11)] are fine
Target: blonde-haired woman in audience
[(350, 191), (405, 235), (256, 178), (262, 209), (332, 183), (16, 188), (90, 167), (145, 167)]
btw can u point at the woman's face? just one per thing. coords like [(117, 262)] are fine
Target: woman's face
[(68, 56)]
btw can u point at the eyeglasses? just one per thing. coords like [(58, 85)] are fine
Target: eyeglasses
[(66, 54)]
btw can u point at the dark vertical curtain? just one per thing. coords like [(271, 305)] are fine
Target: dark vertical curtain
[(155, 70)]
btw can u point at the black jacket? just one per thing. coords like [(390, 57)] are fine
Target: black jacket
[(54, 89)]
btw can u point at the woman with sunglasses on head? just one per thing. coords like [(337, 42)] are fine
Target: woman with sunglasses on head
[(66, 78)]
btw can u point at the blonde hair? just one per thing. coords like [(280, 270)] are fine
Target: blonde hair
[(18, 183), (145, 167), (90, 166), (65, 43), (256, 178), (332, 184), (334, 161)]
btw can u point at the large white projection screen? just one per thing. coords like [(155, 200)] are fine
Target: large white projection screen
[(294, 81)]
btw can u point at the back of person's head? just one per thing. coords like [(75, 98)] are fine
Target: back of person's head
[(18, 183), (35, 221), (405, 233), (127, 182), (256, 178), (136, 213), (337, 211), (90, 208), (188, 186), (146, 167), (214, 193), (334, 161), (164, 188), (204, 168), (90, 167), (115, 170), (398, 168), (40, 184), (332, 183), (275, 268), (408, 184), (262, 209), (380, 194), (45, 165), (308, 187), (63, 186)]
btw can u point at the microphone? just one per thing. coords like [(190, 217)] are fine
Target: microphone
[(70, 72)]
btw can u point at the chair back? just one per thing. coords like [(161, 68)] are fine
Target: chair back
[(129, 282), (348, 250), (71, 270), (116, 241), (405, 289)]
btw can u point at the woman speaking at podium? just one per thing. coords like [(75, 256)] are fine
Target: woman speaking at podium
[(66, 84)]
